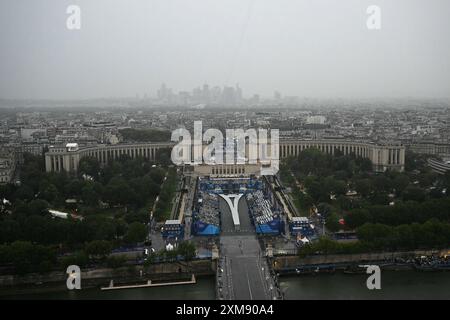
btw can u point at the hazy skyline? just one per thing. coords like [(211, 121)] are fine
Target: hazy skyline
[(313, 48)]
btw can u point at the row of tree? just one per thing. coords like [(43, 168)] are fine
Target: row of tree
[(69, 234), (400, 213), (145, 135), (326, 177), (432, 234), (25, 257), (314, 162), (429, 235), (164, 206), (127, 186)]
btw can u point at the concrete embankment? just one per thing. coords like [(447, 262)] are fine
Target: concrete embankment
[(281, 263), (101, 277)]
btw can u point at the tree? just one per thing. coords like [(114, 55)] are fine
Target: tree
[(364, 187), (7, 191), (9, 230), (365, 164), (333, 186), (78, 258), (379, 236), (340, 187), (414, 161), (116, 261), (157, 175), (38, 207), (154, 135), (89, 195), (187, 250), (24, 192), (74, 188), (118, 192), (317, 192), (380, 198), (405, 237), (400, 182), (98, 248), (344, 203), (382, 183), (89, 166), (25, 256), (446, 181), (332, 222), (357, 218), (140, 216), (163, 157), (99, 227), (137, 232), (324, 209), (413, 193), (50, 193)]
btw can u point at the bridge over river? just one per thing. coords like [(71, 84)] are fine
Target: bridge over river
[(242, 272)]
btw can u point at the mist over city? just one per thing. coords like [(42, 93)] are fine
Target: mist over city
[(224, 156), (313, 49)]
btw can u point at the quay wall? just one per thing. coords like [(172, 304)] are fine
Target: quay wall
[(282, 262), (102, 276)]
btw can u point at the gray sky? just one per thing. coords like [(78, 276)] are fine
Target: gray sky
[(309, 48)]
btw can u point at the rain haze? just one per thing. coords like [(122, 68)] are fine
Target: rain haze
[(306, 48)]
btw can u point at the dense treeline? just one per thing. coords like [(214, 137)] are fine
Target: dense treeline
[(400, 213), (429, 235), (164, 206), (27, 257), (379, 237), (327, 178), (126, 182), (145, 135), (323, 176), (314, 162), (389, 210), (114, 202), (43, 229)]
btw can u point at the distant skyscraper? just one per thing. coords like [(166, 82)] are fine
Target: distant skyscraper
[(216, 93), (238, 98), (277, 96), (206, 94), (228, 96), (255, 99), (162, 92)]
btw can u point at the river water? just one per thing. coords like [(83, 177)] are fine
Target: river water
[(394, 285)]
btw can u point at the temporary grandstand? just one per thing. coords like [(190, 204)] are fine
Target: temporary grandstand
[(264, 210), (206, 214), (229, 186), (265, 218)]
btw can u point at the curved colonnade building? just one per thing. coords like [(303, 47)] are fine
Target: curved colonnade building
[(383, 157)]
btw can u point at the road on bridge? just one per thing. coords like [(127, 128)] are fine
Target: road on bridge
[(243, 270)]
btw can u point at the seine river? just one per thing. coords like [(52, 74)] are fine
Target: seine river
[(394, 285)]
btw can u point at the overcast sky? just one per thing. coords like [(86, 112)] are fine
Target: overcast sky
[(308, 48)]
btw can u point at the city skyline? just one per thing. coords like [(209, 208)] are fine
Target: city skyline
[(322, 49), (243, 95)]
